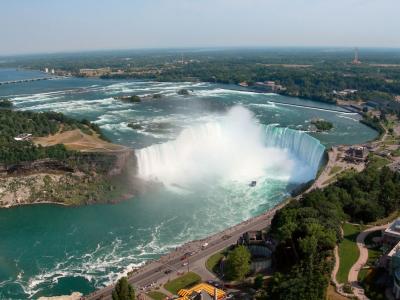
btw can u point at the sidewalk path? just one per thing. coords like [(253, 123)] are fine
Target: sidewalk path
[(362, 260)]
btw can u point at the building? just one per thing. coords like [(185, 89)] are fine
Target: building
[(94, 72), (396, 284), (345, 92), (269, 86), (252, 238), (391, 235), (23, 137), (260, 248), (356, 154), (392, 264), (372, 104), (202, 291)]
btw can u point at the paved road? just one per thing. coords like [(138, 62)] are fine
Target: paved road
[(154, 272), (361, 261)]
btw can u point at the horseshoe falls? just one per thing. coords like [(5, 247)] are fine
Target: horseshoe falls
[(304, 147), (235, 148)]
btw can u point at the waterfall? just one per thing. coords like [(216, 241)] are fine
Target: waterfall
[(305, 147), (234, 147)]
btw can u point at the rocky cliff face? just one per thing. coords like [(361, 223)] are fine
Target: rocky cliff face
[(84, 179)]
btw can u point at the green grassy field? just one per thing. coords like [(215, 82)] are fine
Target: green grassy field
[(335, 169), (348, 251), (185, 281), (156, 295), (378, 161), (212, 262)]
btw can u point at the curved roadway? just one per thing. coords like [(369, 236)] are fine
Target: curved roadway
[(154, 272)]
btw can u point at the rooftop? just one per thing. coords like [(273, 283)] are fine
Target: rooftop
[(187, 294), (393, 229), (395, 251)]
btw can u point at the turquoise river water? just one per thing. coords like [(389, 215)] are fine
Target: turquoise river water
[(204, 148)]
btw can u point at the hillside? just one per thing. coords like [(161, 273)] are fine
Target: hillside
[(47, 157)]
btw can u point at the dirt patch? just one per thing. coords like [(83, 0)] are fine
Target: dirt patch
[(333, 295), (79, 141)]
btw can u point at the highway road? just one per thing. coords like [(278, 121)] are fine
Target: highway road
[(154, 272)]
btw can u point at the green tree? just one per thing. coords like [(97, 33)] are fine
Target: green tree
[(258, 281), (123, 290), (238, 263)]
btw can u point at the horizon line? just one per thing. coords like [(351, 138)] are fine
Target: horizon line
[(177, 48)]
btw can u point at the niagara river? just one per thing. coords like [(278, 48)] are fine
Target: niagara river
[(203, 150)]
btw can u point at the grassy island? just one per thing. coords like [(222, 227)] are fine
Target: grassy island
[(322, 125)]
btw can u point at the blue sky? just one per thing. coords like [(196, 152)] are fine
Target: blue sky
[(30, 26)]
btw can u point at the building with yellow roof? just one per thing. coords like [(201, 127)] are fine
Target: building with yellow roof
[(201, 291)]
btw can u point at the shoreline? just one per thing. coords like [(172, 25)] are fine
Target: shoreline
[(154, 266)]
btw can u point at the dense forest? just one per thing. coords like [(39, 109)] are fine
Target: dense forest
[(15, 123), (309, 229)]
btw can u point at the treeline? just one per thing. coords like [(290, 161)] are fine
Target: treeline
[(16, 123), (373, 122), (307, 73), (309, 229), (319, 81)]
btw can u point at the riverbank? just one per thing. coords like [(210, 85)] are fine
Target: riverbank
[(153, 272)]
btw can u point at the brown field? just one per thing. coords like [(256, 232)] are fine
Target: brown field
[(77, 140)]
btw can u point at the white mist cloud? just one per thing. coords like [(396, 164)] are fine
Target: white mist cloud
[(231, 149)]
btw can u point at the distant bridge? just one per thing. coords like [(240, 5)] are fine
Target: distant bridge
[(27, 80)]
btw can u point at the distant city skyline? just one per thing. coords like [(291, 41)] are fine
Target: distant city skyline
[(45, 26)]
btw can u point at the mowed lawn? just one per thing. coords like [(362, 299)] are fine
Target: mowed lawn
[(185, 281), (348, 251), (213, 262), (156, 295)]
